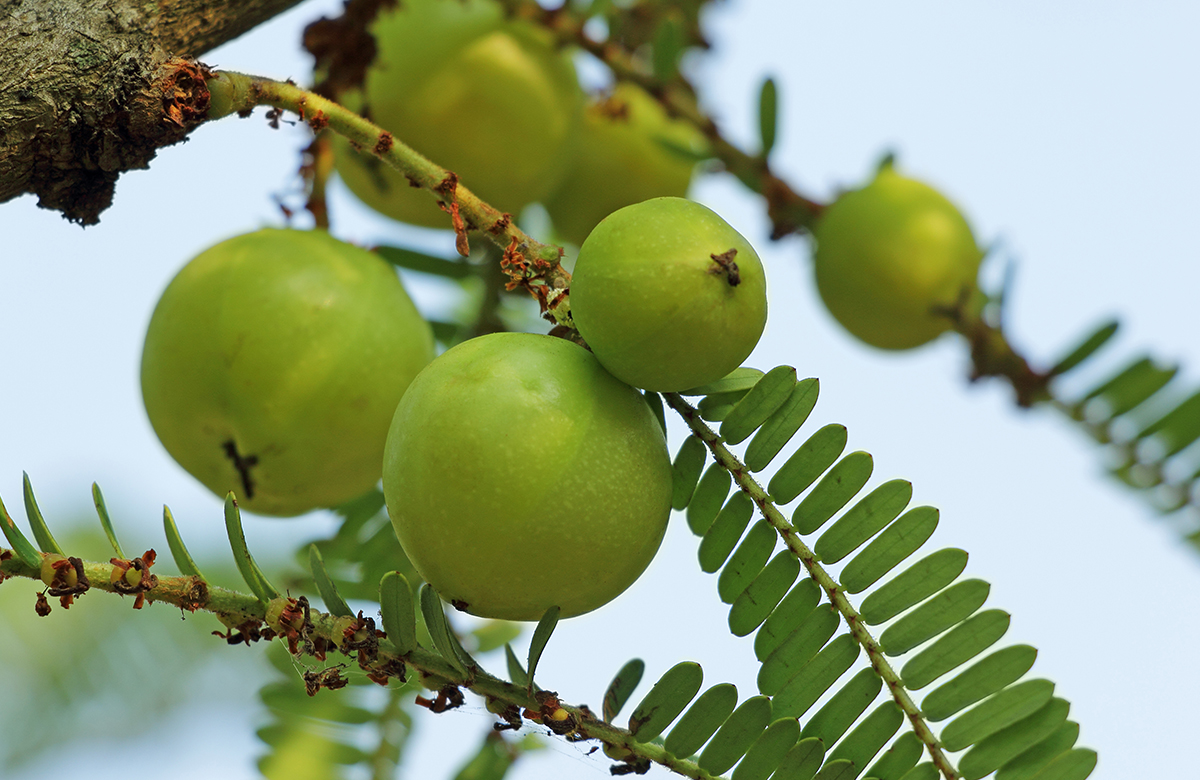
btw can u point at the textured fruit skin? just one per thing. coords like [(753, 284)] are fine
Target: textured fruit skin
[(647, 297), (490, 99), (620, 159), (890, 254), (295, 347), (520, 475)]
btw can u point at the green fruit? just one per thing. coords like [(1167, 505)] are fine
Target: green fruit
[(491, 99), (520, 475), (628, 151), (668, 295), (273, 364), (891, 258)]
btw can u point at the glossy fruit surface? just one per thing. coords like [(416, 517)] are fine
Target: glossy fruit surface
[(889, 256), (272, 366), (628, 151), (653, 298), (520, 475), (490, 99)]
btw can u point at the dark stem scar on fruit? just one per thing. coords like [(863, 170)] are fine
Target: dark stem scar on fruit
[(725, 265), (461, 605), (243, 464)]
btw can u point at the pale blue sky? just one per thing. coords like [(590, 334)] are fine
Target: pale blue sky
[(1067, 133)]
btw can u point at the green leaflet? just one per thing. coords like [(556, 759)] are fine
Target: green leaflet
[(767, 395), (809, 461), (790, 658), (992, 753), (334, 603), (456, 268), (746, 562), (794, 608), (768, 751), (37, 523), (981, 680), (739, 379), (838, 770), (621, 688), (702, 720), (722, 536), (781, 426), (398, 612), (898, 541), (492, 761), (439, 628), (902, 756), (22, 546), (715, 407), (863, 520), (668, 48), (924, 578), (1003, 709), (516, 673), (1073, 765), (768, 116), (948, 608), (673, 691), (803, 690), (1086, 348), (707, 500), (869, 737), (1176, 429), (105, 520), (833, 492), (839, 713), (541, 635), (685, 472), (736, 735), (654, 401), (255, 579), (1032, 761), (963, 643), (926, 771), (757, 601), (1137, 382), (183, 559), (802, 761)]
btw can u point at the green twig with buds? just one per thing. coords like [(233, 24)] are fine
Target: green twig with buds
[(530, 264)]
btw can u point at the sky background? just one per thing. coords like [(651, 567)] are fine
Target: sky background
[(1065, 131)]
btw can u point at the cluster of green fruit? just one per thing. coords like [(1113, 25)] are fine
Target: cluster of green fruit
[(496, 101), (520, 471)]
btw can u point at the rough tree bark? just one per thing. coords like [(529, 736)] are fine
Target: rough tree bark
[(91, 89)]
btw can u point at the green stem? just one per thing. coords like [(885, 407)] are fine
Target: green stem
[(240, 93), (837, 596)]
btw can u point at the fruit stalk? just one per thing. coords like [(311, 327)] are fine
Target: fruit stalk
[(837, 596), (240, 93)]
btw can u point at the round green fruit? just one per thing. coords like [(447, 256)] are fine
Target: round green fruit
[(273, 364), (891, 258), (520, 475), (489, 98), (628, 150), (668, 295)]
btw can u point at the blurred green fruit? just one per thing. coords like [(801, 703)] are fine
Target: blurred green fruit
[(668, 295), (520, 475), (489, 98), (628, 151), (273, 364), (889, 256)]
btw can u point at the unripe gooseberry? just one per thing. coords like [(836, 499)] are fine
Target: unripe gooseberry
[(627, 150), (520, 475), (490, 98), (893, 259), (668, 295), (273, 363)]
